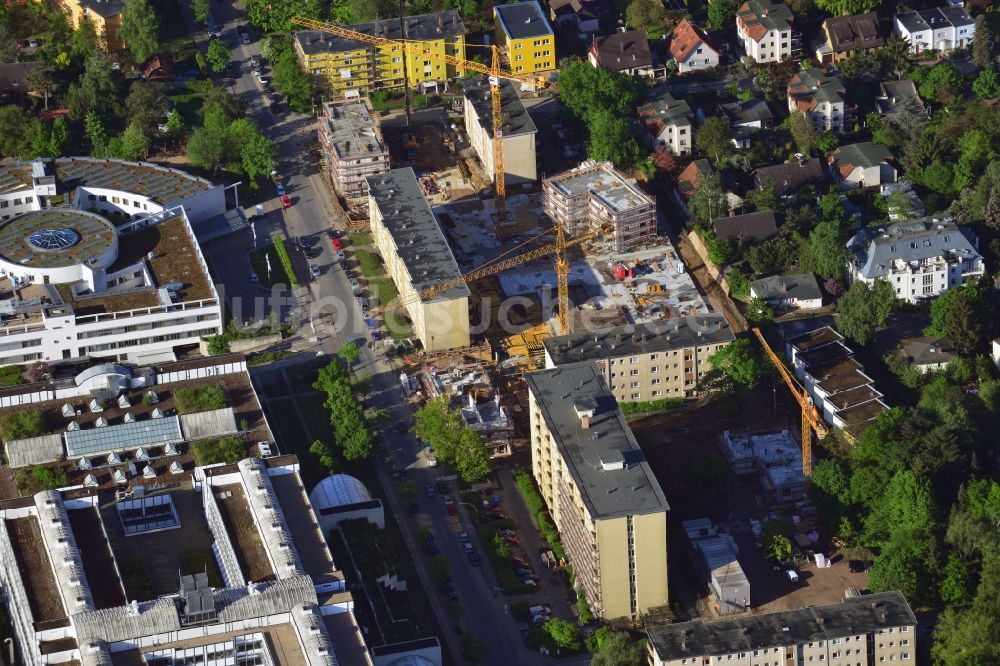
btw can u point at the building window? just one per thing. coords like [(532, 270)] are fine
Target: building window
[(635, 384), (634, 372), (635, 396)]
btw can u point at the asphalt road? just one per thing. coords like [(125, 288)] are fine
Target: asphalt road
[(338, 318)]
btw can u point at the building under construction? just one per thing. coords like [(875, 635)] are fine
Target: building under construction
[(352, 146), (594, 196)]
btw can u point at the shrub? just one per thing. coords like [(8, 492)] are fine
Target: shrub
[(214, 451), (38, 478), (200, 399), (286, 262), (217, 345), (19, 425), (650, 406), (11, 375)]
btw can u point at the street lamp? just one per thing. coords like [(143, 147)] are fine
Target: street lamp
[(474, 508)]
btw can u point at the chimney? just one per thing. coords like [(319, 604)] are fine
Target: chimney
[(584, 421)]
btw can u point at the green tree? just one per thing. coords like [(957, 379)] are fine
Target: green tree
[(955, 581), (145, 105), (84, 42), (42, 82), (350, 430), (350, 352), (802, 131), (201, 9), (133, 143), (612, 138), (982, 43), (324, 455), (96, 90), (140, 29), (40, 138), (709, 201), (95, 133), (740, 362), (714, 138), (844, 7), (964, 322), (60, 139), (292, 82), (827, 252), (204, 149), (275, 15), (827, 142), (440, 426), (563, 632), (864, 308), (900, 566), (648, 16), (986, 85), (23, 424), (439, 568), (617, 648), (13, 142), (259, 157), (722, 14), (780, 547), (218, 55), (218, 344), (943, 82), (175, 125)]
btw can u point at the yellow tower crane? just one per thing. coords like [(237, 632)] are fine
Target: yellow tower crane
[(811, 418), (493, 70)]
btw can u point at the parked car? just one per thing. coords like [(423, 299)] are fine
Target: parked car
[(255, 61), (314, 270), (857, 566), (286, 201), (34, 43), (245, 37), (463, 537), (430, 491), (467, 547), (254, 277), (355, 285), (281, 189), (21, 43), (452, 508), (341, 257), (447, 499), (474, 559), (337, 244), (793, 575)]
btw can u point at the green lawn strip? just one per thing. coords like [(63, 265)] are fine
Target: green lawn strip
[(368, 263), (360, 240), (286, 260), (200, 560), (382, 291), (278, 274)]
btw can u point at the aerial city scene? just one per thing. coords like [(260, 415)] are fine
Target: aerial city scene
[(513, 333)]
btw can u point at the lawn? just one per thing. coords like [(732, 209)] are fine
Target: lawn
[(202, 560), (382, 291), (370, 264), (277, 276), (362, 239)]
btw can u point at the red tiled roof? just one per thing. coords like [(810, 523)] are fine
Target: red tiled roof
[(685, 39)]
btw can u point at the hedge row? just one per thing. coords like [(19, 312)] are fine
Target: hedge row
[(286, 262), (535, 503), (650, 406)]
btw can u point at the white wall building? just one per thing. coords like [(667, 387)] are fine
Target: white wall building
[(669, 121), (820, 98), (765, 30), (939, 28), (691, 49), (518, 131), (920, 258), (65, 290)]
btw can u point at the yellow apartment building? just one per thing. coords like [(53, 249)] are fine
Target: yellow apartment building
[(527, 37), (417, 256), (342, 67), (106, 15), (607, 505)]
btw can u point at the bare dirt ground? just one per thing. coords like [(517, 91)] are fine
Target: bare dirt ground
[(671, 441), (709, 288)]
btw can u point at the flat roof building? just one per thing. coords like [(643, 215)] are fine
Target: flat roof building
[(604, 498), (417, 257), (595, 196), (518, 131), (101, 258), (652, 361), (873, 628), (352, 145)]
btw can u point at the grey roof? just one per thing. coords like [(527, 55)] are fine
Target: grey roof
[(756, 110), (771, 15), (17, 71), (664, 107), (857, 615), (516, 119), (750, 226), (928, 350), (523, 20), (957, 16), (121, 623), (864, 154), (422, 27), (420, 243), (623, 50), (789, 177), (630, 489), (936, 18), (895, 94), (913, 21), (149, 432), (211, 423), (875, 249), (34, 450), (351, 129), (677, 333), (858, 31), (801, 286)]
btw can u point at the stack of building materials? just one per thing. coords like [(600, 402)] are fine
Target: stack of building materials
[(715, 557)]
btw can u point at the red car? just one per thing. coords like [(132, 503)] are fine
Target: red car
[(337, 245), (286, 201)]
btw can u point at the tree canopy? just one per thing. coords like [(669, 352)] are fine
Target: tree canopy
[(844, 7), (741, 362), (714, 138), (350, 429), (140, 29), (218, 55), (648, 16), (441, 426), (864, 308)]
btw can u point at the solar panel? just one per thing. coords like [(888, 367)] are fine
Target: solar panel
[(150, 432), (148, 514)]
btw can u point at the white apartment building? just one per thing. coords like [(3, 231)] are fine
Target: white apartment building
[(939, 28), (351, 141), (820, 97), (691, 49), (868, 629), (765, 30), (668, 120), (517, 131), (920, 258), (100, 258)]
